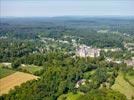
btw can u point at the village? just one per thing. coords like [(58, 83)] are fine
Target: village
[(83, 50)]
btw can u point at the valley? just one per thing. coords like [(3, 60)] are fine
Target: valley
[(76, 58)]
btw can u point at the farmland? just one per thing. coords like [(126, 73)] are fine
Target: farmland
[(15, 79)]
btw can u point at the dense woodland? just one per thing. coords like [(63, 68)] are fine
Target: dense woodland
[(60, 74), (85, 28), (20, 44)]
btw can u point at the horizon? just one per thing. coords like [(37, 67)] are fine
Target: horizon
[(83, 16), (58, 8)]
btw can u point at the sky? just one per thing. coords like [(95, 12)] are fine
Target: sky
[(41, 8)]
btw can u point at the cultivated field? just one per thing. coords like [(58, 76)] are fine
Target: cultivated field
[(14, 79), (123, 86)]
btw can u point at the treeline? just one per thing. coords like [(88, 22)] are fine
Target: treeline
[(102, 94), (11, 49)]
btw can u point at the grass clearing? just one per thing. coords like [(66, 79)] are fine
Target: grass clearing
[(70, 96), (88, 74), (13, 80), (31, 68), (5, 72), (123, 86)]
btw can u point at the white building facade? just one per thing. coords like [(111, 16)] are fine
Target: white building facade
[(85, 51)]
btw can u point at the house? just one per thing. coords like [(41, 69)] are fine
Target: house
[(80, 82), (129, 46)]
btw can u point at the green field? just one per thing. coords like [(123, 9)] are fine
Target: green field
[(5, 72), (123, 86), (130, 78), (69, 96), (31, 68)]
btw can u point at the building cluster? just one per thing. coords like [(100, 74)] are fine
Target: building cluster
[(111, 49), (129, 46), (85, 51), (113, 60), (130, 62)]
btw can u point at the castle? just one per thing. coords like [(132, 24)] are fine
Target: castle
[(85, 51)]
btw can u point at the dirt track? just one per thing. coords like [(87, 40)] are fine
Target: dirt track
[(14, 79)]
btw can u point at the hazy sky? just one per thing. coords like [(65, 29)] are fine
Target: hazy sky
[(28, 8)]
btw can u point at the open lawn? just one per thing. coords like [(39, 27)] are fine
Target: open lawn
[(69, 96), (13, 80), (31, 68), (123, 86), (5, 72)]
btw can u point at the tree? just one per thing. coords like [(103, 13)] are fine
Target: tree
[(102, 94), (15, 64)]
